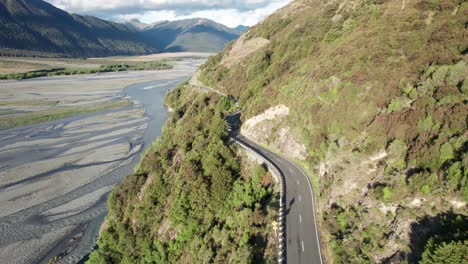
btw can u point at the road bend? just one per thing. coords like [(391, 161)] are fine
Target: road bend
[(302, 242)]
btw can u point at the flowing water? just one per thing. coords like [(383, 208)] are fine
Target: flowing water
[(55, 177)]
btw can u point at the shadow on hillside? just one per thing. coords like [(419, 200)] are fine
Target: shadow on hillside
[(444, 227)]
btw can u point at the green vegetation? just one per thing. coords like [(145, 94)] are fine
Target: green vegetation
[(446, 241), (28, 103), (446, 253), (6, 112), (189, 201), (151, 65), (30, 118), (377, 93), (395, 105)]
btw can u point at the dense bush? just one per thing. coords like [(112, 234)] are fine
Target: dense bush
[(377, 93), (189, 201)]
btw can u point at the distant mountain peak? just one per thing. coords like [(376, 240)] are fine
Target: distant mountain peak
[(157, 23), (37, 26), (137, 24), (193, 34), (241, 28)]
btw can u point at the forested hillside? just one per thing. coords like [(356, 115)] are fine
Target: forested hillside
[(193, 199), (376, 93), (34, 27)]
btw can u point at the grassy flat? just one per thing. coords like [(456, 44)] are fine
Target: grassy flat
[(6, 112), (24, 119), (67, 68), (28, 103)]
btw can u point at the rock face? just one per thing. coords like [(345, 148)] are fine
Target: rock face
[(267, 128), (243, 48)]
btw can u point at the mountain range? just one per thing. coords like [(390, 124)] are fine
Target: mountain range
[(35, 27), (197, 34)]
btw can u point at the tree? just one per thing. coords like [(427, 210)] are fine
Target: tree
[(449, 253)]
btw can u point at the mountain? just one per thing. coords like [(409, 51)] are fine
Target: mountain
[(136, 24), (34, 25), (241, 29), (196, 34), (37, 28)]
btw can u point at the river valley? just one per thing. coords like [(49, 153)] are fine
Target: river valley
[(55, 176)]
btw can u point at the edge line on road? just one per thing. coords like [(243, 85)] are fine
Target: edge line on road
[(313, 207)]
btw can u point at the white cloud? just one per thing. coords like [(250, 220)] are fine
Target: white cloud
[(228, 12), (180, 5), (228, 17)]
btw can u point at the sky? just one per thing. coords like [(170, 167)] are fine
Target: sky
[(228, 12)]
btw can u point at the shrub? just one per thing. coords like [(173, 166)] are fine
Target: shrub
[(438, 78), (454, 175), (446, 153), (397, 151), (387, 193), (425, 189), (426, 123), (457, 73), (395, 105), (341, 219), (349, 24), (333, 35), (446, 253)]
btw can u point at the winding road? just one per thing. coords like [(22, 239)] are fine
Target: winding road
[(302, 242)]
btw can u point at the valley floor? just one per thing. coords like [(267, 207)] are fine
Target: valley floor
[(55, 176)]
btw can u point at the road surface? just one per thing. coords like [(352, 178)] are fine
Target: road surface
[(302, 243)]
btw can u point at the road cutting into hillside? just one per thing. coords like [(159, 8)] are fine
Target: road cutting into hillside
[(302, 242)]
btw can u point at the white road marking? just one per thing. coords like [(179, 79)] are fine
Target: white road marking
[(313, 208), (290, 170), (297, 182), (299, 198), (300, 218), (302, 241), (310, 187)]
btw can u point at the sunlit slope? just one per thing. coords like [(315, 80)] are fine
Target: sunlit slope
[(376, 93)]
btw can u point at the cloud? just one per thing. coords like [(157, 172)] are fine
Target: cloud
[(228, 12), (146, 5)]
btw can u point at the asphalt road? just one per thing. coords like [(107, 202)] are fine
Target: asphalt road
[(302, 243)]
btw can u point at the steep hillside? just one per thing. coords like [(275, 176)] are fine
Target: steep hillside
[(196, 34), (34, 25), (376, 93), (193, 199)]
